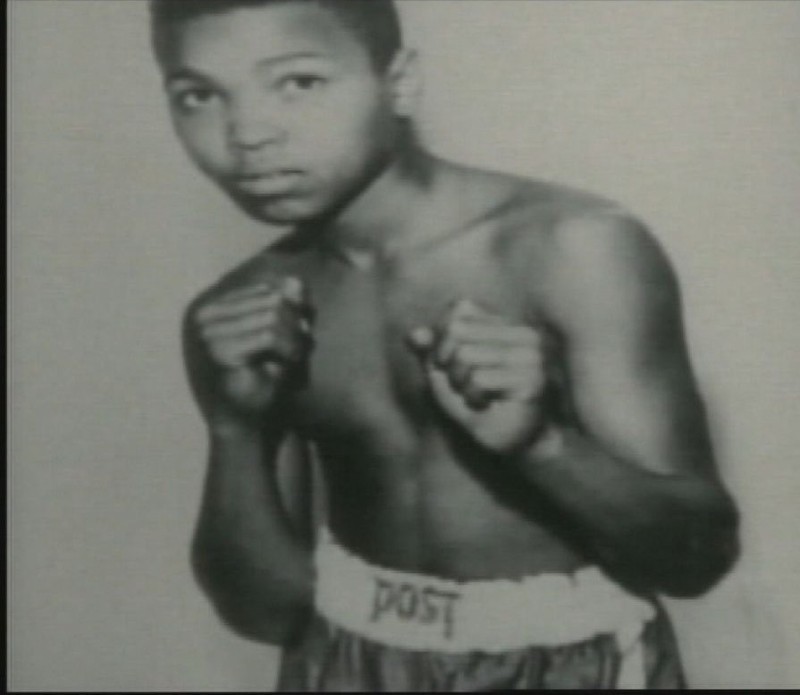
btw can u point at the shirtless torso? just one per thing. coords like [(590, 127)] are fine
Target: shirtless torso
[(410, 490), (403, 492)]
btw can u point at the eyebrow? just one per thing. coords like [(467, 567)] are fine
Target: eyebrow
[(269, 62), (188, 73)]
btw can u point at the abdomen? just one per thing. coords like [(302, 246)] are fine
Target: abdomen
[(425, 509)]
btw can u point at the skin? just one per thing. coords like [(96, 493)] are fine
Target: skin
[(493, 370)]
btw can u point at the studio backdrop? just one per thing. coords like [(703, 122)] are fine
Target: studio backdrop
[(686, 112)]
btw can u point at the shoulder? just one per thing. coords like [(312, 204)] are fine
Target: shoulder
[(537, 213), (598, 241), (582, 254), (606, 273), (576, 231), (570, 228)]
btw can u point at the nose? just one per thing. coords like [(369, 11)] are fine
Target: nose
[(253, 125)]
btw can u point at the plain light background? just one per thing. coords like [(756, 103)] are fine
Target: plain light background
[(686, 112)]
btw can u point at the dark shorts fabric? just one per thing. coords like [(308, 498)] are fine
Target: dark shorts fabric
[(332, 659)]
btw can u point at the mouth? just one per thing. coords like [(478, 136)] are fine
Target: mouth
[(270, 182)]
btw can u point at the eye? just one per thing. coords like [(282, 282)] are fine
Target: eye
[(193, 99), (301, 83)]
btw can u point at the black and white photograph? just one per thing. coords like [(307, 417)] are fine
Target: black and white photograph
[(403, 345)]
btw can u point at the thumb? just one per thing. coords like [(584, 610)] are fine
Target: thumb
[(421, 340), (294, 290), (273, 369)]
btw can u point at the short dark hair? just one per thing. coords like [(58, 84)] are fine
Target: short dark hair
[(375, 22)]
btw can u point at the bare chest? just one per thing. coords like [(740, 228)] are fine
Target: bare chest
[(365, 383)]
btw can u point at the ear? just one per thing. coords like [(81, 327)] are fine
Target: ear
[(405, 82)]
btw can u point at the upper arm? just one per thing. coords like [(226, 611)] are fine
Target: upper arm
[(614, 298)]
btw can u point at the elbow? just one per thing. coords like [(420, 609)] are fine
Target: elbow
[(277, 626), (704, 556), (697, 576), (252, 606), (679, 560)]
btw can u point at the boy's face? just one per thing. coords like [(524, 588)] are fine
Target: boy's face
[(281, 106)]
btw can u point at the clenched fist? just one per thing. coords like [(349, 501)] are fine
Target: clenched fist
[(249, 344), (487, 374)]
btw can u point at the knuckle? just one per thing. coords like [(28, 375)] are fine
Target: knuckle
[(455, 378), (477, 381), (480, 379), (269, 319), (283, 343), (532, 359), (446, 345), (297, 321), (461, 354), (475, 394), (444, 337), (464, 373), (266, 337), (527, 373), (285, 313), (453, 326), (440, 351), (531, 341), (534, 336)]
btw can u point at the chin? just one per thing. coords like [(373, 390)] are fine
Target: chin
[(288, 212)]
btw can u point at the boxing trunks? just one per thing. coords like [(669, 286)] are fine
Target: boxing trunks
[(382, 630)]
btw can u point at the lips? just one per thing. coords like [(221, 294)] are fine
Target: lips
[(270, 182)]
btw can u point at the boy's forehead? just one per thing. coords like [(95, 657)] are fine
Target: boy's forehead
[(243, 37)]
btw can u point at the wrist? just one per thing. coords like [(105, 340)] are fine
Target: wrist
[(225, 429), (237, 445), (547, 444), (545, 453)]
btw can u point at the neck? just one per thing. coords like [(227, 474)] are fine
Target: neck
[(383, 211)]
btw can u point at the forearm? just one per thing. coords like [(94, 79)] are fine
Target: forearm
[(676, 534), (256, 569)]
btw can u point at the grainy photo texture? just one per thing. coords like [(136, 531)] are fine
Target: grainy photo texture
[(410, 383)]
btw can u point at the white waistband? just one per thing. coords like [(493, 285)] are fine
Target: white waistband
[(417, 612)]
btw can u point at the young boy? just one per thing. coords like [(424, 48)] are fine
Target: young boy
[(492, 372)]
